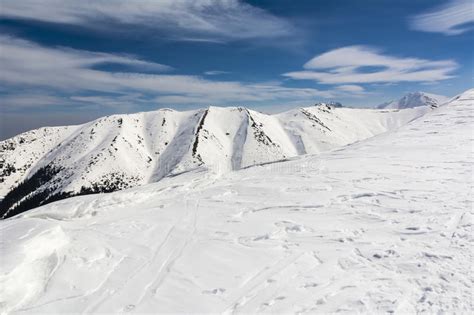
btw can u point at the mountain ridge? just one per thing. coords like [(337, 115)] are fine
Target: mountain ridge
[(122, 151)]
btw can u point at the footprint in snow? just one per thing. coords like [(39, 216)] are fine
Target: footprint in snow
[(217, 291), (129, 308), (362, 195), (310, 285), (271, 302), (291, 227), (412, 230), (221, 233), (264, 240)]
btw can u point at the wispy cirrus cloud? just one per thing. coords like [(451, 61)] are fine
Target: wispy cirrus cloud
[(197, 20), (363, 64), (72, 77), (351, 88), (18, 54), (26, 100), (453, 18)]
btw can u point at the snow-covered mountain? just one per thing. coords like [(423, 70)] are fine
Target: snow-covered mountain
[(331, 103), (380, 226), (123, 151), (415, 99)]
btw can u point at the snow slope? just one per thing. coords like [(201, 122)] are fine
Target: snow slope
[(383, 225), (415, 99), (123, 151)]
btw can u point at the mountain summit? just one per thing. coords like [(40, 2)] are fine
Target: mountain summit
[(415, 99)]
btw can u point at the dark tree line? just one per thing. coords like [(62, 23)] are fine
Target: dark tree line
[(32, 193), (27, 192)]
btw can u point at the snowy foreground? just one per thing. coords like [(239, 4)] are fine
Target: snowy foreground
[(383, 225)]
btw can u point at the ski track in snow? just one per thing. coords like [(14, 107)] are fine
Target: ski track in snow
[(383, 225)]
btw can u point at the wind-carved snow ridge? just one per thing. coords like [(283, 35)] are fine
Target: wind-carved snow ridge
[(381, 226), (123, 151)]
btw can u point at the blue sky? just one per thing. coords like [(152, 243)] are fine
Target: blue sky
[(65, 62)]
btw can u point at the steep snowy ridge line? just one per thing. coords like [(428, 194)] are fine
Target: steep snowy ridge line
[(123, 151), (238, 143), (258, 132), (146, 139), (314, 118), (197, 134), (380, 226), (178, 147)]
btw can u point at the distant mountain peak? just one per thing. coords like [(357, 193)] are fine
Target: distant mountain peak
[(415, 99)]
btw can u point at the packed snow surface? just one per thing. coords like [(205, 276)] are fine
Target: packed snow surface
[(383, 225)]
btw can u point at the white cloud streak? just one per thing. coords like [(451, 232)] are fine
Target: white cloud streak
[(351, 88), (26, 66), (346, 65), (195, 20), (25, 100), (450, 19)]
